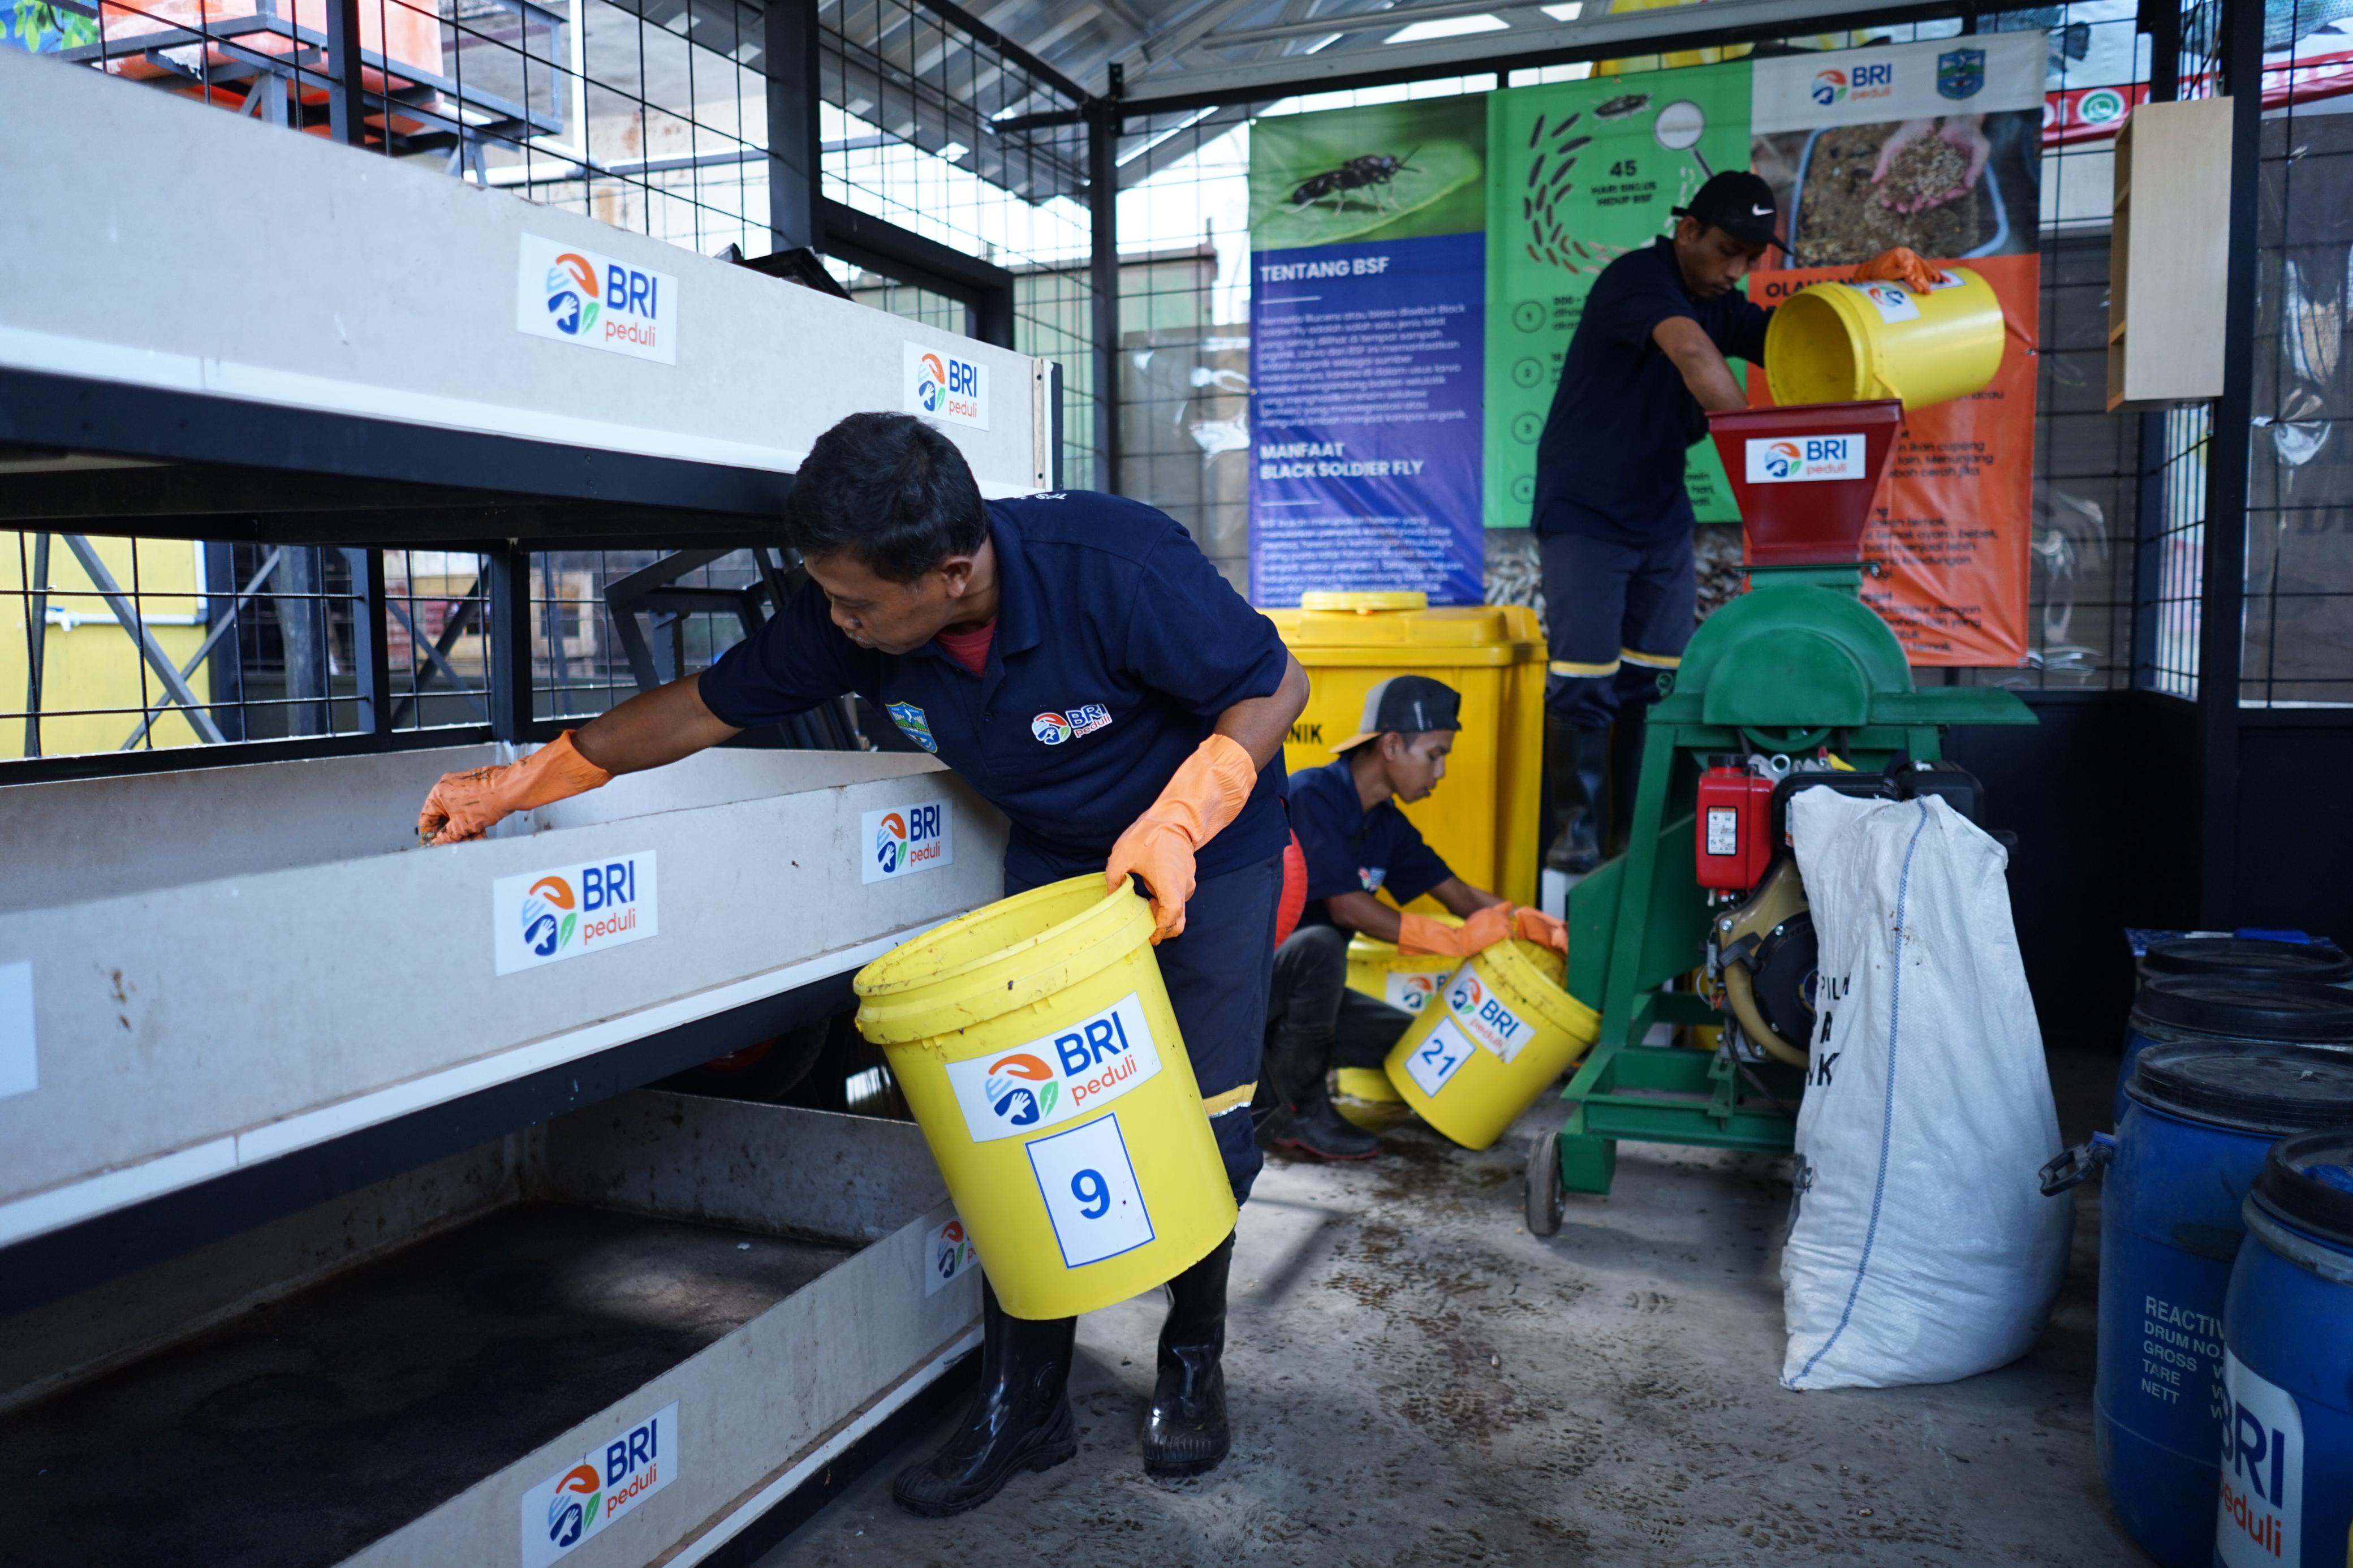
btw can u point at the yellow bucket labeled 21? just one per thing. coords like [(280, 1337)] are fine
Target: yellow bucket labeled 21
[(1501, 1032), (1035, 1044)]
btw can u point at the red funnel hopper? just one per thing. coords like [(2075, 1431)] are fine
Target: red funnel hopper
[(1805, 476)]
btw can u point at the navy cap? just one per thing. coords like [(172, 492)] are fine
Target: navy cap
[(1406, 704), (1741, 204)]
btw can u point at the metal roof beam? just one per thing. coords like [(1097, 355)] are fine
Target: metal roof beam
[(1599, 37), (1367, 21)]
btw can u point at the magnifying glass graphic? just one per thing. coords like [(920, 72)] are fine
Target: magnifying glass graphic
[(1679, 128)]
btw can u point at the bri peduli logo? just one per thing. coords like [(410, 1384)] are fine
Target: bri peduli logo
[(1417, 989), (1051, 728), (1830, 87), (910, 837), (932, 383), (573, 1506), (571, 294), (1467, 995), (564, 912), (1010, 1092), (549, 916), (1782, 458)]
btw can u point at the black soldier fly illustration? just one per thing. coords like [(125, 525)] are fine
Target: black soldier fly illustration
[(1374, 170)]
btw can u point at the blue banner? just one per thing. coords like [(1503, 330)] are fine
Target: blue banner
[(1366, 371)]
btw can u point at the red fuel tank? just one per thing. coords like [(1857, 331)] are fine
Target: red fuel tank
[(1734, 828)]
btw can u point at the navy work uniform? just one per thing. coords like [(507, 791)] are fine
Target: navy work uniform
[(1612, 518), (1116, 646), (1348, 850)]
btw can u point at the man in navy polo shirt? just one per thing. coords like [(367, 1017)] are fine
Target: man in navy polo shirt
[(1647, 364), (1076, 659), (1357, 843)]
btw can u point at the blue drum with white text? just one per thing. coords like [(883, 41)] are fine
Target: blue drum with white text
[(2286, 1495), (2198, 1121)]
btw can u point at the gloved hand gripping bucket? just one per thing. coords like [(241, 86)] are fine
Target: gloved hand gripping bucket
[(1495, 1038), (1035, 1044)]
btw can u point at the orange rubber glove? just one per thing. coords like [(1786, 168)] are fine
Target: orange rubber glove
[(466, 806), (1201, 797), (1902, 265), (1479, 930), (1535, 925)]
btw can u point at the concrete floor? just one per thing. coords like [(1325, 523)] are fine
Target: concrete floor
[(1416, 1380)]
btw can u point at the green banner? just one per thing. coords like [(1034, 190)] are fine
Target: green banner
[(1579, 173)]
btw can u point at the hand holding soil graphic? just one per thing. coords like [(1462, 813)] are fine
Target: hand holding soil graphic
[(1930, 163)]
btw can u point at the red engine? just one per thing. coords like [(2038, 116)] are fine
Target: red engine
[(1735, 827)]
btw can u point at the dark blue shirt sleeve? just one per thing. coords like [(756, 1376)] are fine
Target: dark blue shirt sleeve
[(1643, 294), (1414, 866), (798, 659), (1192, 637), (1317, 818), (1745, 340)]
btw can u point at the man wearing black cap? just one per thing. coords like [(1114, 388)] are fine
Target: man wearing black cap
[(1356, 843), (1612, 519)]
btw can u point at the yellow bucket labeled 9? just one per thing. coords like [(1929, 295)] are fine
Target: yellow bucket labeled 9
[(1500, 1032), (1035, 1044), (1851, 342)]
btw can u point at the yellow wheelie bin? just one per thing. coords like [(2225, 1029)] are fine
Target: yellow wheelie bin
[(1483, 818)]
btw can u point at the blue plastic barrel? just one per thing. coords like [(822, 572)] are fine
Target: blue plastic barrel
[(2286, 1494), (2250, 960), (2196, 1123), (2240, 1014)]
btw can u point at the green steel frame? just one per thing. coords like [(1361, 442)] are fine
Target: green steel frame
[(1797, 663)]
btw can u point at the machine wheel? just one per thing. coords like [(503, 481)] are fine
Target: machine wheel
[(1545, 1192)]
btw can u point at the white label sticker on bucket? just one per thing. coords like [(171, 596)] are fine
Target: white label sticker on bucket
[(948, 1257), (1892, 301), (1797, 459), (1061, 1077), (2259, 1515), (1090, 1192), (1436, 1059), (1410, 991), (1483, 1017)]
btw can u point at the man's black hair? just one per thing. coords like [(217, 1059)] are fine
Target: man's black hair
[(890, 489)]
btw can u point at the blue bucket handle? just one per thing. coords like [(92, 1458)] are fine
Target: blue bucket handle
[(2073, 1167)]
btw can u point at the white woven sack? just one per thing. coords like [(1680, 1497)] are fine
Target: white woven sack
[(1920, 1249)]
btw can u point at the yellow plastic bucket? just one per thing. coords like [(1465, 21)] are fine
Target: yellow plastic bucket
[(1503, 1030), (1379, 971), (1035, 1044), (1847, 342)]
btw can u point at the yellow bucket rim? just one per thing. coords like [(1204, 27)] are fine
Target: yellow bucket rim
[(1516, 964), (902, 1002), (1365, 600)]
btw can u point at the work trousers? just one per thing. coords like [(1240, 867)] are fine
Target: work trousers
[(1311, 1000), (1617, 617), (1218, 973)]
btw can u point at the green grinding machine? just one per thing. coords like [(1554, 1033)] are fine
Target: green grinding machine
[(1702, 924)]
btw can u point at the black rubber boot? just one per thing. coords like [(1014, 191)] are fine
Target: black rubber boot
[(1315, 1128), (1576, 760), (1296, 1062), (1020, 1416), (1184, 1431)]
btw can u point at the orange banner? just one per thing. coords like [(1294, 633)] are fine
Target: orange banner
[(1946, 551)]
